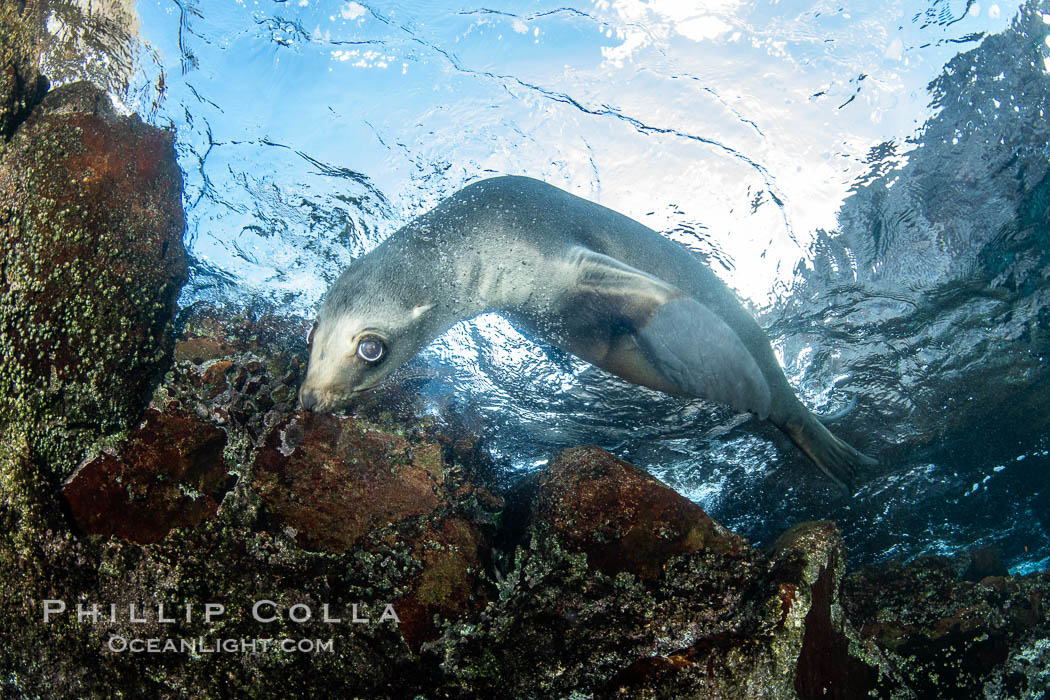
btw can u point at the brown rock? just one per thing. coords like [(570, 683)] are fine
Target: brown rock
[(198, 350), (623, 518), (335, 480), (342, 483), (215, 377), (447, 586), (169, 473)]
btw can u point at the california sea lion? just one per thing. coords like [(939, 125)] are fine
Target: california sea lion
[(588, 280)]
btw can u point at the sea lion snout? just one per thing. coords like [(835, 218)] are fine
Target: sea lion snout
[(321, 398), (308, 398), (324, 401)]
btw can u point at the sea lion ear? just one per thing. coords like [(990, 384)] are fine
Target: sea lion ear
[(420, 310)]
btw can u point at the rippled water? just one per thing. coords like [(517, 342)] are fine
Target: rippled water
[(870, 177)]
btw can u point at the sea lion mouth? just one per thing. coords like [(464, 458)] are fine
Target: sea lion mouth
[(321, 401)]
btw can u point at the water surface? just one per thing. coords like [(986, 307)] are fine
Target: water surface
[(871, 178)]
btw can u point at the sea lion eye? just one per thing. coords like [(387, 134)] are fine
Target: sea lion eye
[(370, 349)]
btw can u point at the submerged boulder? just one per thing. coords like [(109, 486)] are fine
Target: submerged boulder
[(621, 587), (624, 519), (335, 484), (168, 473), (335, 481), (92, 262)]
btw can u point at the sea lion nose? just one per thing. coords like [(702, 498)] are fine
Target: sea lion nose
[(307, 398)]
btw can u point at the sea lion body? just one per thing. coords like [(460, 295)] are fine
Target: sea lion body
[(583, 277)]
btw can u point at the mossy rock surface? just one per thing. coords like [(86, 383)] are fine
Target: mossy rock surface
[(91, 266)]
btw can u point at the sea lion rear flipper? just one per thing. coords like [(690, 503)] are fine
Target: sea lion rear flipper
[(844, 464)]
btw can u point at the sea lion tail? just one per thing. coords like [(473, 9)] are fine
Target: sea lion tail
[(838, 460)]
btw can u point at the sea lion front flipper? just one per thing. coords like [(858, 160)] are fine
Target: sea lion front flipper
[(676, 338), (601, 277), (690, 345)]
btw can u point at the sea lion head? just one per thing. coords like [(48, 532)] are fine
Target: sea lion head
[(367, 327)]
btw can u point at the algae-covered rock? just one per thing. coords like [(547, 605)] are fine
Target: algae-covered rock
[(337, 484), (365, 612), (92, 263), (951, 637), (621, 517), (832, 662), (335, 481), (621, 588), (168, 473)]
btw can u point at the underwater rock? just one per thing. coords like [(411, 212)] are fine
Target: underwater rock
[(951, 637), (199, 350), (336, 483), (92, 263), (211, 332), (792, 639), (238, 370), (831, 661), (621, 517), (621, 588), (169, 473), (426, 569)]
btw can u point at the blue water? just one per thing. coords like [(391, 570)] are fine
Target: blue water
[(869, 177)]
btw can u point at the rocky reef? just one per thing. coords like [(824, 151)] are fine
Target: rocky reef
[(383, 544), (171, 525)]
